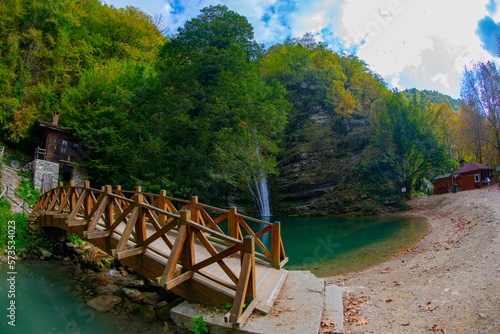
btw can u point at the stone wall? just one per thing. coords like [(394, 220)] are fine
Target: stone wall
[(45, 170), (79, 177)]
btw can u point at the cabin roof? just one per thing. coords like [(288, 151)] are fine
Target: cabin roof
[(440, 177), (472, 167), (43, 126)]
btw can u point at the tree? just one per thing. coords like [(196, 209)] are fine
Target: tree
[(481, 94), (213, 107), (473, 132), (406, 129)]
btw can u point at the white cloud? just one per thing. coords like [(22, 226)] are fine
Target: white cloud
[(441, 78), (396, 42)]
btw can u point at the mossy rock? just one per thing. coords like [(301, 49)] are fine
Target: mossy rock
[(148, 313)]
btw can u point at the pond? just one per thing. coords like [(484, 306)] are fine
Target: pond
[(336, 245)]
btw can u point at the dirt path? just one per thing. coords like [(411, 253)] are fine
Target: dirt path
[(449, 283)]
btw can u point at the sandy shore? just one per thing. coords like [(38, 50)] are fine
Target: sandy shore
[(449, 283)]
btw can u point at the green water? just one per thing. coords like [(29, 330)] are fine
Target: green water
[(47, 304), (334, 245)]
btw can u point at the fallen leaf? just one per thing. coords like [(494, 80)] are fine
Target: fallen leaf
[(405, 324), (431, 308), (437, 328), (388, 300), (290, 298), (198, 306), (328, 323), (279, 324), (361, 322)]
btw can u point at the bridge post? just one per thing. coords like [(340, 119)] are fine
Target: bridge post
[(108, 213), (118, 191), (140, 225), (276, 244), (72, 198), (245, 291), (194, 209), (232, 223), (162, 205), (249, 249), (138, 190), (61, 192), (88, 198), (187, 252)]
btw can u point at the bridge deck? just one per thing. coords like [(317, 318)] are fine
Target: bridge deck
[(269, 280)]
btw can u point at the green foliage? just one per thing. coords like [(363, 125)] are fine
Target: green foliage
[(75, 239), (26, 190), (406, 129), (434, 97), (45, 46), (26, 241), (199, 325)]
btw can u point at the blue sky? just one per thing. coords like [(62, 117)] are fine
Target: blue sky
[(424, 44)]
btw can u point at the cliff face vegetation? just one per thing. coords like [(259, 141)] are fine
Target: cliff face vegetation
[(210, 108)]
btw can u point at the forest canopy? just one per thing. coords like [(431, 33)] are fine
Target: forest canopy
[(209, 106)]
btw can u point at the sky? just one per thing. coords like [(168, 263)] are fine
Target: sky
[(424, 44)]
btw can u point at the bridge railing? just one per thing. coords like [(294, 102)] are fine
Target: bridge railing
[(212, 217), (138, 219)]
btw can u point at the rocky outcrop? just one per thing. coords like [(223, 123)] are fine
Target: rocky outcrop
[(319, 164)]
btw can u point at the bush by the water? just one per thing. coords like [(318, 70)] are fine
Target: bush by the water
[(26, 241)]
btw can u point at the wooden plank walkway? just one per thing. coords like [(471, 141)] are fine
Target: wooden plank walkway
[(193, 258)]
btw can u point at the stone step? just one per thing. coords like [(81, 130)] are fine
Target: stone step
[(10, 169), (334, 308), (298, 309)]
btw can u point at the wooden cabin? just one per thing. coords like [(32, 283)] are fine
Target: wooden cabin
[(57, 156), (57, 144), (472, 175), (443, 184), (469, 176)]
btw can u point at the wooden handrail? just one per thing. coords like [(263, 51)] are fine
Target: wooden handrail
[(166, 210)]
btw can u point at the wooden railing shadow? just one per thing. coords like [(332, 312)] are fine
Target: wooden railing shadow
[(128, 223)]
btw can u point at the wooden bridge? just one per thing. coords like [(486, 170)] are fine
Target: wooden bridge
[(197, 251)]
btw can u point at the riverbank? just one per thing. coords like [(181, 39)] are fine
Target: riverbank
[(448, 283)]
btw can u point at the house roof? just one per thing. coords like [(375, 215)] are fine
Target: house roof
[(472, 167), (40, 125), (440, 177)]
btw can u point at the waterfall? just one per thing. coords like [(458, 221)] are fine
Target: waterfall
[(261, 194)]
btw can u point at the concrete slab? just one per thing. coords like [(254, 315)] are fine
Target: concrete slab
[(298, 309), (334, 308)]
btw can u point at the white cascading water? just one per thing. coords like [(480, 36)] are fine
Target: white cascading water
[(263, 196)]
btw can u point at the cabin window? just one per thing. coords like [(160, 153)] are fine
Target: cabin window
[(477, 178), (64, 146)]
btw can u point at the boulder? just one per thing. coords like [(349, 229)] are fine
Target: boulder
[(104, 303), (133, 294), (152, 299), (164, 311), (134, 308), (109, 289), (148, 313)]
